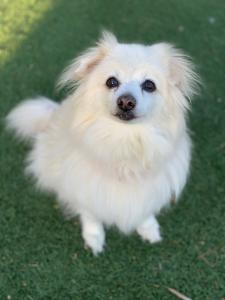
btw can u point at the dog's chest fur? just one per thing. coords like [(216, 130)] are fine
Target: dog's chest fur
[(121, 193)]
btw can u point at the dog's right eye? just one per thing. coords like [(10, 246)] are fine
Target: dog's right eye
[(148, 86), (112, 82)]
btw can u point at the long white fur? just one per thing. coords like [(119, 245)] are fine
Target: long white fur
[(31, 116), (108, 171)]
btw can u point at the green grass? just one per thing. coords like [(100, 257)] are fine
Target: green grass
[(41, 253)]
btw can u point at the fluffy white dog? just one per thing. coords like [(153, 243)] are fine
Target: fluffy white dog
[(117, 150)]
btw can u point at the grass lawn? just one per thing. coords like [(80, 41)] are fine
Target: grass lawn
[(41, 253)]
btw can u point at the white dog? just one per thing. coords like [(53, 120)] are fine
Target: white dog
[(117, 150)]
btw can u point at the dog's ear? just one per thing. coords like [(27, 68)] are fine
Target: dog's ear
[(180, 69), (86, 62)]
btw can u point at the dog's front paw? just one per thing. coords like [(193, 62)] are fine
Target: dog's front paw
[(93, 234), (95, 242), (150, 230)]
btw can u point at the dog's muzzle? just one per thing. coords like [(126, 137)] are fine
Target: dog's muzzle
[(126, 104)]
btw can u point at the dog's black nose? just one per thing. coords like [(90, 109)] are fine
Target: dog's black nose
[(126, 102)]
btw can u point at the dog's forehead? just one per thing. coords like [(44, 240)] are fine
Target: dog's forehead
[(135, 55), (130, 53)]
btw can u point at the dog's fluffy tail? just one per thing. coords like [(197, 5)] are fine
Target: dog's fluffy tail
[(31, 117)]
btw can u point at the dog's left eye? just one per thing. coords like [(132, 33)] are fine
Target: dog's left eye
[(112, 82), (148, 86)]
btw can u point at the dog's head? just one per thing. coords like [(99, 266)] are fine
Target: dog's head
[(132, 82)]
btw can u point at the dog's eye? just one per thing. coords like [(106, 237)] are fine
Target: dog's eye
[(112, 82), (148, 86)]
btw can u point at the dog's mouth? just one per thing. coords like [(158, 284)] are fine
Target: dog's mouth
[(125, 115)]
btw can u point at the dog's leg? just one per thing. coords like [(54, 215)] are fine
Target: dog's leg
[(149, 230), (93, 233)]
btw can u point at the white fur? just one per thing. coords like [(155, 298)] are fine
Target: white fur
[(31, 116), (149, 230), (108, 171)]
